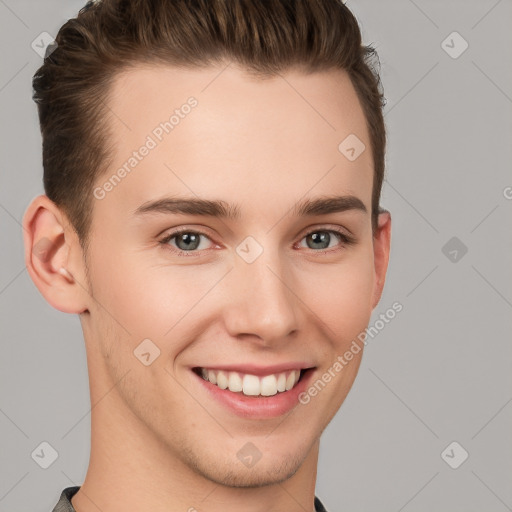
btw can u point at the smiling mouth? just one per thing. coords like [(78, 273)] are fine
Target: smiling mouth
[(252, 385)]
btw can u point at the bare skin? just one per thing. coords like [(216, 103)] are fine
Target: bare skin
[(157, 441)]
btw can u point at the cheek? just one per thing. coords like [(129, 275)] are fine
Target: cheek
[(123, 290), (145, 296), (340, 295)]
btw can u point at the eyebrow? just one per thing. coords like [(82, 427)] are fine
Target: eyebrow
[(222, 209)]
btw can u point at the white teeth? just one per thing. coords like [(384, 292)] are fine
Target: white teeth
[(268, 385), (290, 381), (235, 382), (252, 385), (222, 380), (281, 382), (212, 377)]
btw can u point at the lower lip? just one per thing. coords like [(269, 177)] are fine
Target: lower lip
[(254, 407)]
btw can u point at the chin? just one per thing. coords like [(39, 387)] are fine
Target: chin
[(260, 475), (229, 471)]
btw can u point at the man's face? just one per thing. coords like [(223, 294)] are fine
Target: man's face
[(268, 288)]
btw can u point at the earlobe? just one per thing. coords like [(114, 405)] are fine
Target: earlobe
[(381, 249), (48, 241)]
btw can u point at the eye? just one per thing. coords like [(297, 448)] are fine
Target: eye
[(186, 241), (321, 239)]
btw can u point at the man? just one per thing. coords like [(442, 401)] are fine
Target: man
[(212, 173)]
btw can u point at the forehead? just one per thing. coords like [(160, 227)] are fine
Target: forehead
[(217, 131)]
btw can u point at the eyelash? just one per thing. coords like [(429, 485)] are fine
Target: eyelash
[(345, 239)]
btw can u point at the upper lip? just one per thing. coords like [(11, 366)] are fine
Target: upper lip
[(253, 369)]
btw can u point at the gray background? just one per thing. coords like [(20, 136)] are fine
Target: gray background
[(441, 371)]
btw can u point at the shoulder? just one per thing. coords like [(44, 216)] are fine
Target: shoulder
[(319, 506), (64, 503)]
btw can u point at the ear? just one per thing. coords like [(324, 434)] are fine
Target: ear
[(381, 248), (53, 257)]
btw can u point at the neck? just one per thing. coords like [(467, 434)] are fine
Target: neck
[(132, 469)]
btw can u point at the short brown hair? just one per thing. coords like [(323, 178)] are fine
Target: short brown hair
[(107, 36)]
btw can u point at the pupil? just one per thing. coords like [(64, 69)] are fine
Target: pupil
[(189, 238), (321, 237)]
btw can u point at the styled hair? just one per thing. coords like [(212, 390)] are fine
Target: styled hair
[(265, 37)]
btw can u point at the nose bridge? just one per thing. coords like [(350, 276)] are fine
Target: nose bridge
[(262, 302)]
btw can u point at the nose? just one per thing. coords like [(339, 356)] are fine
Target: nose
[(262, 303)]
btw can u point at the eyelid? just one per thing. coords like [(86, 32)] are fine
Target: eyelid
[(328, 227), (164, 242)]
